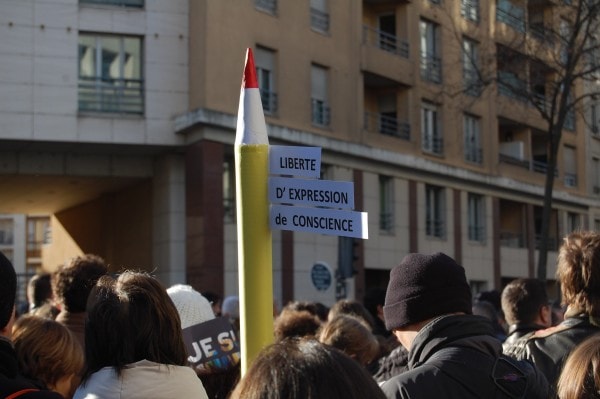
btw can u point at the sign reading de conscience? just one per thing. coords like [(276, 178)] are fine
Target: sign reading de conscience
[(304, 203)]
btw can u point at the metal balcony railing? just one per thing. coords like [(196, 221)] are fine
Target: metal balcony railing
[(385, 41), (476, 233), (431, 68), (386, 221), (269, 6), (320, 112), (387, 125), (121, 3), (111, 95), (512, 239), (469, 9), (433, 144), (319, 20), (435, 227), (511, 15), (473, 154), (269, 101), (552, 242), (571, 179)]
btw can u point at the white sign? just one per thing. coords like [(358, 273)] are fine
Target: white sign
[(328, 193), (319, 220), (295, 161)]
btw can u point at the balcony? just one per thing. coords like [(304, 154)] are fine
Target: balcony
[(474, 154), (431, 68), (111, 95), (387, 125), (512, 239), (385, 41), (320, 115), (570, 179), (269, 101), (319, 20), (120, 3), (511, 15), (433, 144)]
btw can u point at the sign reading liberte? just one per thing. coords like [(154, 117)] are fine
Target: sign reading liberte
[(304, 203)]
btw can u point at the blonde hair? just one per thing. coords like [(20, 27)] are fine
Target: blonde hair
[(578, 271), (352, 336), (46, 350), (580, 376)]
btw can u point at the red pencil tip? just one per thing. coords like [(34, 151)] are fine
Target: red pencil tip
[(249, 80)]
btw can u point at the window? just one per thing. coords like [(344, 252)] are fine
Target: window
[(110, 74), (319, 88), (470, 67), (476, 215), (469, 9), (471, 126), (597, 224), (265, 67), (386, 204), (229, 190), (511, 15), (596, 175), (387, 32), (430, 129), (121, 3), (431, 65), (594, 118), (434, 212), (319, 15), (6, 231), (572, 222), (569, 157), (269, 6)]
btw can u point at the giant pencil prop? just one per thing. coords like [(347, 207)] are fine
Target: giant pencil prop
[(253, 231)]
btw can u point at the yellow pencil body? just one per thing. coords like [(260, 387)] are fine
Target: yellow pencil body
[(254, 250)]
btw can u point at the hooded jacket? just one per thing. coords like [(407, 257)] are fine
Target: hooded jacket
[(457, 356)]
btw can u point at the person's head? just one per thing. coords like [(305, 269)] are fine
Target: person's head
[(130, 319), (72, 283), (580, 375), (305, 369), (47, 351), (423, 287), (525, 301), (352, 336), (193, 307), (353, 308), (295, 323), (315, 308), (215, 300), (578, 271), (39, 290), (8, 292), (374, 300)]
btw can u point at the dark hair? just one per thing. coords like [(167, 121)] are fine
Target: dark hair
[(295, 323), (73, 282), (305, 369), (39, 290), (522, 299), (315, 308), (130, 319), (8, 290), (353, 308)]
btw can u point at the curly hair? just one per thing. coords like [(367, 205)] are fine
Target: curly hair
[(578, 271), (73, 282)]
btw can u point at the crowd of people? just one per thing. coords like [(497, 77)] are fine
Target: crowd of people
[(90, 334)]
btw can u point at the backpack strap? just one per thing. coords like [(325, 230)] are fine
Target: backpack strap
[(21, 392)]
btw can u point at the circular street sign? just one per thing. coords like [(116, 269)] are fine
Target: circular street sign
[(321, 276)]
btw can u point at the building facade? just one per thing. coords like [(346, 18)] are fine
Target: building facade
[(117, 119)]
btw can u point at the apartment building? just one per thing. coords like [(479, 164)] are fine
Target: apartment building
[(117, 118)]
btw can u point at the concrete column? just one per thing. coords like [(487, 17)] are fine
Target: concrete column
[(168, 211)]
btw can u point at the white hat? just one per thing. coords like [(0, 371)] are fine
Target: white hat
[(192, 307)]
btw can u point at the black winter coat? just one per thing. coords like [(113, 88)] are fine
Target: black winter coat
[(548, 349), (458, 356)]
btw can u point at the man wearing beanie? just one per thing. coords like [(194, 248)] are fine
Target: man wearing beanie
[(452, 353)]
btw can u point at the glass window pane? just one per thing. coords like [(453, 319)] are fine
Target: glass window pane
[(87, 56)]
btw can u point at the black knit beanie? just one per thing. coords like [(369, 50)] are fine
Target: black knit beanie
[(425, 286)]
